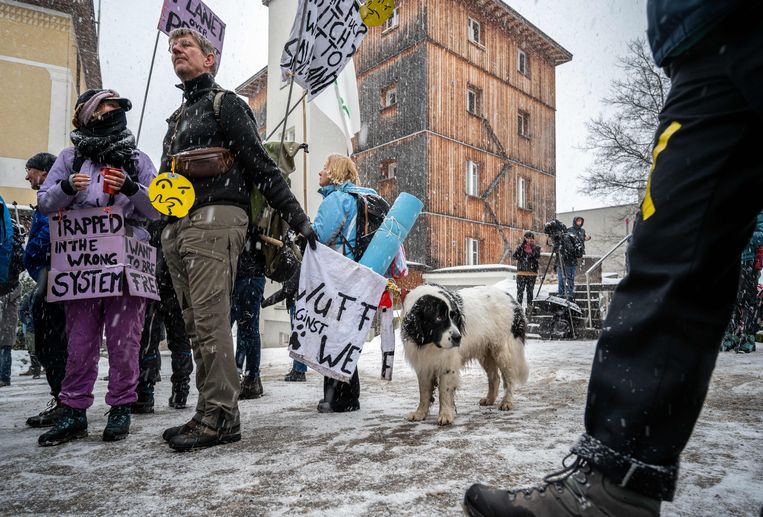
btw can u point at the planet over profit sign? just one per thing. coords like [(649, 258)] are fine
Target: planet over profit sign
[(193, 14)]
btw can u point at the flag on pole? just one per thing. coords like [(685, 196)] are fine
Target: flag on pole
[(332, 32), (340, 104)]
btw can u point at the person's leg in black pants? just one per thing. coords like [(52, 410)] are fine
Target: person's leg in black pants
[(177, 340), (655, 357), (149, 360), (340, 396), (50, 343)]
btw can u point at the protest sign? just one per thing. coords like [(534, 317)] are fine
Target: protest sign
[(335, 307), (331, 34), (195, 15), (91, 257)]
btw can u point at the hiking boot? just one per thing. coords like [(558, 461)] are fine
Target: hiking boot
[(118, 425), (326, 407), (30, 371), (179, 397), (145, 403), (71, 425), (172, 432), (251, 388), (202, 436), (48, 416), (295, 376), (575, 491)]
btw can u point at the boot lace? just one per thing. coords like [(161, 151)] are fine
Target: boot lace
[(559, 480)]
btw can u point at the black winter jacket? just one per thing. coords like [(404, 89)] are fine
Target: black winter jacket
[(197, 127), (527, 261)]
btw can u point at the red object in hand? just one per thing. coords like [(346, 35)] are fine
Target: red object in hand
[(107, 172)]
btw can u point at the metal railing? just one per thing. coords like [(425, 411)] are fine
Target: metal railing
[(594, 266)]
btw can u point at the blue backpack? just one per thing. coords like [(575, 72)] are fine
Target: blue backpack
[(11, 249)]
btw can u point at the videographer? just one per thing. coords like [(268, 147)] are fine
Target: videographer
[(567, 251)]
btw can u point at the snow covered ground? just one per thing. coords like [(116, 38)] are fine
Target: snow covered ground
[(292, 460)]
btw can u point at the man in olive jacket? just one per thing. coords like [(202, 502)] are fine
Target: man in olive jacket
[(202, 249)]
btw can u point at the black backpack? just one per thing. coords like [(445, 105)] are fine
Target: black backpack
[(371, 210)]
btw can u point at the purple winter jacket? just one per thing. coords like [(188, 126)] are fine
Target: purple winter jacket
[(137, 208)]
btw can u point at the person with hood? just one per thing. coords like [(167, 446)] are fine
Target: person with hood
[(659, 344), (740, 334), (212, 140), (101, 139), (48, 318), (579, 232), (527, 256)]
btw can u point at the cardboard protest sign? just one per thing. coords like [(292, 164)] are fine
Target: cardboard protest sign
[(91, 257), (335, 307), (332, 33), (195, 15)]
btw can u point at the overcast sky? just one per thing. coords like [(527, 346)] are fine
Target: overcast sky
[(595, 31)]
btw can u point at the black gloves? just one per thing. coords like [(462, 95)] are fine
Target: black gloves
[(287, 291), (306, 230), (129, 187)]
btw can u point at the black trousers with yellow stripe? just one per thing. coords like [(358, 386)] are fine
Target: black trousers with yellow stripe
[(655, 357)]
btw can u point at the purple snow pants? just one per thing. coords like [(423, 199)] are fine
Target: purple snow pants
[(122, 317)]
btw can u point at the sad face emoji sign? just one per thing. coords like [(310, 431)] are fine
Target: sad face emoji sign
[(171, 194)]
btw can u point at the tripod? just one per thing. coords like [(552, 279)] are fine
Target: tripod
[(561, 272)]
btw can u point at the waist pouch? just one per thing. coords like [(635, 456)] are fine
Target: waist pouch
[(206, 162)]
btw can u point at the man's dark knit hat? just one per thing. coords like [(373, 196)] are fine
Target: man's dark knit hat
[(41, 161)]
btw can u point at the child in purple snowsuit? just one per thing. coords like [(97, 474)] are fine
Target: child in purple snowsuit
[(101, 138)]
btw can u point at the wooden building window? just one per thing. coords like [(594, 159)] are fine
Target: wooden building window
[(523, 124), (388, 170), (473, 100), (472, 252), (472, 178), (522, 185), (391, 22), (389, 96), (474, 31), (523, 63)]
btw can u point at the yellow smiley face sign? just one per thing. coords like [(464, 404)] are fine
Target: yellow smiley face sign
[(376, 12), (171, 194)]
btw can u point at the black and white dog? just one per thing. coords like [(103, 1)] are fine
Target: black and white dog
[(442, 330)]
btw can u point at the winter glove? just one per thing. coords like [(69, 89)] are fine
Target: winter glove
[(129, 187), (287, 292), (306, 230)]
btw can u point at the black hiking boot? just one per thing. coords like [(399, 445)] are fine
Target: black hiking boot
[(179, 397), (145, 403), (118, 425), (48, 416), (251, 388), (575, 491), (172, 432), (202, 436), (71, 425), (295, 376)]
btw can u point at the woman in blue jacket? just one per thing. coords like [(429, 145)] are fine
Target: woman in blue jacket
[(335, 226)]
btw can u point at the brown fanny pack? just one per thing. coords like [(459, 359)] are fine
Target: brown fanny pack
[(206, 162)]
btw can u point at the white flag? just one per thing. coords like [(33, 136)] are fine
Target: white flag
[(332, 32), (335, 307), (340, 104)]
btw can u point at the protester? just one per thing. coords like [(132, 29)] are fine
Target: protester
[(49, 319), (164, 314), (527, 256), (11, 264), (202, 249), (245, 312), (740, 333), (566, 251), (100, 139), (27, 330), (659, 345)]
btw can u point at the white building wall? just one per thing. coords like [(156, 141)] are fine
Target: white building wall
[(310, 126)]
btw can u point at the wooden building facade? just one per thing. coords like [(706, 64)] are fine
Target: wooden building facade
[(457, 101)]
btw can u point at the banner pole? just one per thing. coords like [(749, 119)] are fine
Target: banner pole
[(304, 158), (291, 75), (148, 84), (296, 105)]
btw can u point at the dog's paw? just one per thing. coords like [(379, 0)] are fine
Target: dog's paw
[(416, 416), (445, 419), (505, 405), (487, 402)]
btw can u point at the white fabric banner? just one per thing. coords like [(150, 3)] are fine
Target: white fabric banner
[(340, 103), (333, 31), (336, 303), (387, 343)]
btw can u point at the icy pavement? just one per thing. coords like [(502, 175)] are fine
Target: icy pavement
[(292, 460)]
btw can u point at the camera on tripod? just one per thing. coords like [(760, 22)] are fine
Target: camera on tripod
[(555, 229)]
